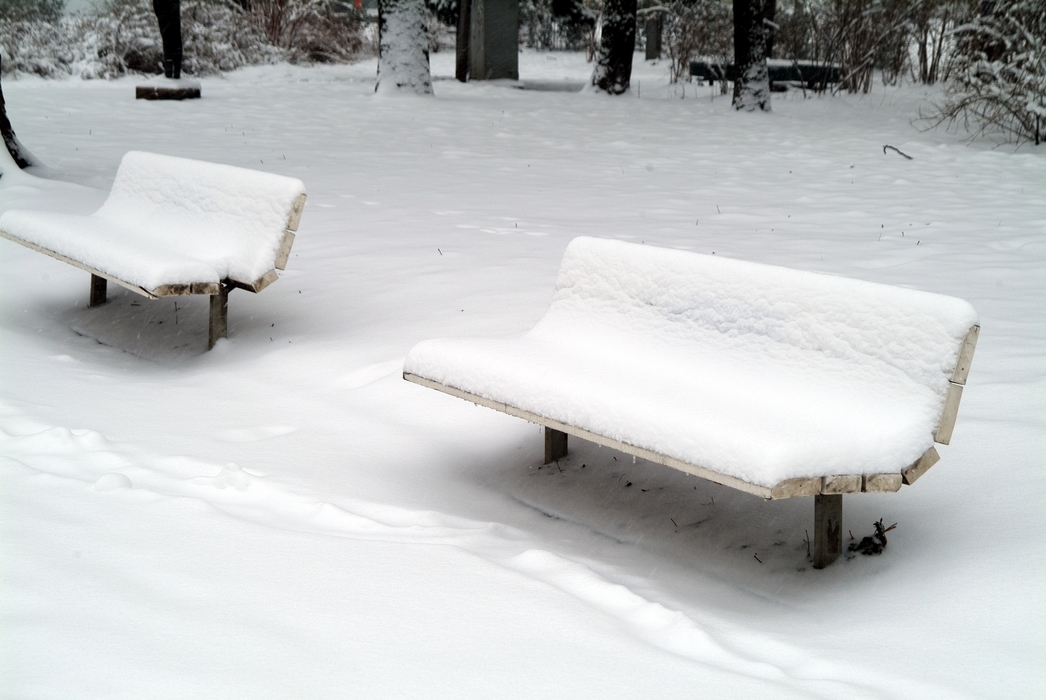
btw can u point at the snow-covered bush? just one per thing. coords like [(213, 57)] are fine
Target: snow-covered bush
[(122, 37), (998, 71)]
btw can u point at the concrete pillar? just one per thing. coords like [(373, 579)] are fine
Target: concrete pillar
[(494, 40)]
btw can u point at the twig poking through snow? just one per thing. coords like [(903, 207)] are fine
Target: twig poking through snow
[(875, 544), (892, 148)]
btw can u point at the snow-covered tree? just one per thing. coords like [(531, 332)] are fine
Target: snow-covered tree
[(999, 72), (403, 61), (751, 77), (613, 71)]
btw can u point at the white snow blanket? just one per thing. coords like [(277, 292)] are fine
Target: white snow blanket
[(172, 221), (757, 372)]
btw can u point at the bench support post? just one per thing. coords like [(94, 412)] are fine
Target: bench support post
[(98, 285), (218, 325), (555, 445), (828, 529)]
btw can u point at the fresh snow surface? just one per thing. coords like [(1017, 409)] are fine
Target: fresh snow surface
[(284, 516), (171, 220), (753, 371)]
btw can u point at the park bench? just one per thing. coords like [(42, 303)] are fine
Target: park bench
[(809, 73), (777, 382), (173, 226)]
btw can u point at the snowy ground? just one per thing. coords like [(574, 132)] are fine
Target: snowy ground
[(285, 517)]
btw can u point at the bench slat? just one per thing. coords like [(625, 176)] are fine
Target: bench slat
[(295, 216), (842, 483), (949, 414), (962, 364), (921, 466), (283, 254)]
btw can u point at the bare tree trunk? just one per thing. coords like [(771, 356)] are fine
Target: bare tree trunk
[(403, 53), (169, 16), (21, 156), (751, 78), (461, 68), (613, 71)]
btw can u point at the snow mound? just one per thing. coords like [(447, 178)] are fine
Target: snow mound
[(172, 220), (753, 371)]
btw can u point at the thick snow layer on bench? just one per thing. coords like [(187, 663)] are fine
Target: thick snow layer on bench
[(753, 371), (172, 221)]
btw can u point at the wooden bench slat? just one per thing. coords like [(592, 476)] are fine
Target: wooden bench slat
[(949, 414), (965, 359), (921, 466), (842, 483)]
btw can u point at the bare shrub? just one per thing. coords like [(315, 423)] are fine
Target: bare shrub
[(999, 73), (310, 30), (559, 25), (697, 28)]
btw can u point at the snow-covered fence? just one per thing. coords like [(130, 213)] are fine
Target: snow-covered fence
[(777, 382), (172, 227)]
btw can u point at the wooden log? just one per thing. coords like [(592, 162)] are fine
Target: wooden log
[(555, 445), (218, 321), (828, 529), (881, 483), (949, 414), (842, 483), (921, 466), (164, 92), (98, 288)]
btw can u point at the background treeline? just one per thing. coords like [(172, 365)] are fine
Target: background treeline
[(990, 53), (122, 36)]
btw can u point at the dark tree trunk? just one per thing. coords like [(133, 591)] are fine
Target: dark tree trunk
[(169, 15), (613, 71), (751, 79), (653, 36), (461, 67), (21, 156)]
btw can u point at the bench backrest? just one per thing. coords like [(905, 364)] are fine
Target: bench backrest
[(680, 297), (232, 218)]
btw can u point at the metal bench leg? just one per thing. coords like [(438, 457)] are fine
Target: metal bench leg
[(218, 325), (98, 285), (828, 529), (555, 445)]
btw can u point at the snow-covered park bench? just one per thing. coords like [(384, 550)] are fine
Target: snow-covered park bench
[(173, 226), (777, 382)]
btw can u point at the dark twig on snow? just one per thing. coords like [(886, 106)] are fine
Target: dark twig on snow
[(874, 544), (892, 148)]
